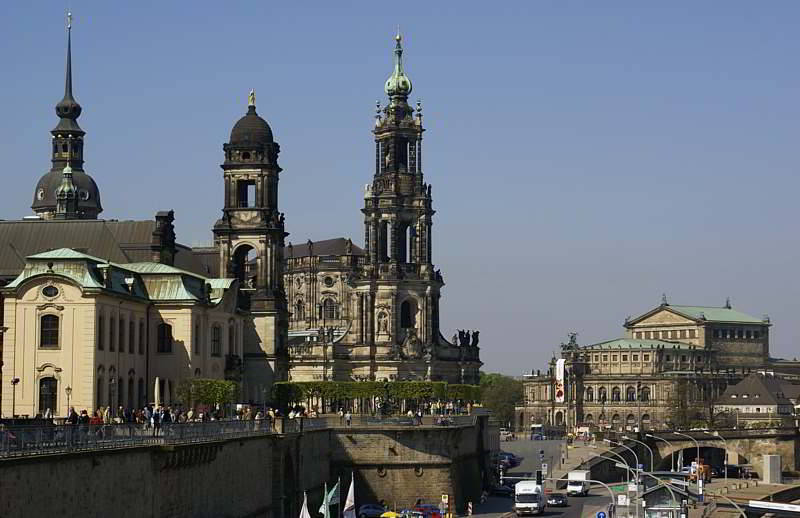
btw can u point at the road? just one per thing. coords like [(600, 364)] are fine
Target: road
[(498, 507)]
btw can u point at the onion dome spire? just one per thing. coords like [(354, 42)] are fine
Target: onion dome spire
[(68, 108), (398, 85)]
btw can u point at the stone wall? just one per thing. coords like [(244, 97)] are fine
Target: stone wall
[(262, 477), (398, 465)]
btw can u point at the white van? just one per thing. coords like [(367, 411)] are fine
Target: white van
[(528, 498)]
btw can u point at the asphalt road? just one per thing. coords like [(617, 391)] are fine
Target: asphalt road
[(579, 507)]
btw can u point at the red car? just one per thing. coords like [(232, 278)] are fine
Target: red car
[(429, 510)]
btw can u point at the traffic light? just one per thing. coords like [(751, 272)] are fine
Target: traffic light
[(538, 477)]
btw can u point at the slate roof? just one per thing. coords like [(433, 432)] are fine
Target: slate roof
[(629, 343), (117, 242), (335, 246), (760, 389)]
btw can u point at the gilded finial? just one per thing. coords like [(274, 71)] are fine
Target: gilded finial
[(399, 37), (69, 20), (251, 99)]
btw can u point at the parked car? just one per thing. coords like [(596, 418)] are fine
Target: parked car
[(537, 437), (371, 511), (428, 510), (557, 500)]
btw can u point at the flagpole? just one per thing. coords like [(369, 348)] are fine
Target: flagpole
[(339, 509)]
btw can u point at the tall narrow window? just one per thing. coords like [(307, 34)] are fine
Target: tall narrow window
[(121, 331), (101, 333), (141, 393), (100, 388), (231, 339), (196, 339), (48, 338), (48, 392), (300, 310), (164, 338), (216, 340), (130, 393), (131, 337), (112, 336), (141, 336)]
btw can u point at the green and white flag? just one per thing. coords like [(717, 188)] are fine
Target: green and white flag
[(329, 499)]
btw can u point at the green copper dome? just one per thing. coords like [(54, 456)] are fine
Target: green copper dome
[(398, 83)]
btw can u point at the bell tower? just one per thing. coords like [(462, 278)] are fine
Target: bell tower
[(250, 238), (400, 288)]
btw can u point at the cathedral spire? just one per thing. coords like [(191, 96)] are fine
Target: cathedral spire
[(68, 109), (398, 85)]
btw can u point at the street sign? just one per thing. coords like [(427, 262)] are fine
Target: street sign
[(632, 487), (601, 514), (544, 468)]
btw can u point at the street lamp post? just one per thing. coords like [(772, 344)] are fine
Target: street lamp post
[(68, 391), (14, 382), (671, 455), (636, 475), (646, 446), (724, 457)]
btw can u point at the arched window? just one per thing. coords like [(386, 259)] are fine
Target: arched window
[(646, 394), (48, 333), (112, 386), (141, 392), (131, 337), (216, 340), (408, 314), (602, 395), (164, 338), (588, 419), (559, 418), (645, 421), (590, 394), (330, 309), (101, 332), (197, 373), (231, 339), (48, 392), (630, 394), (615, 419), (300, 310), (630, 420), (615, 394), (120, 392)]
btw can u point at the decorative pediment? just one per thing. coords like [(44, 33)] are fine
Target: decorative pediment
[(663, 315)]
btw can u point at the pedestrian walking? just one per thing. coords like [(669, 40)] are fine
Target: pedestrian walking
[(348, 418)]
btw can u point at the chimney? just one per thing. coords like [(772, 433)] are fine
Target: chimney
[(162, 242)]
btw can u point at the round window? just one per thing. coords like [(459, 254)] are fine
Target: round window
[(40, 194), (50, 291), (328, 281), (84, 194)]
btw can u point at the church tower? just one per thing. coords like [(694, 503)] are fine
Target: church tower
[(82, 199), (399, 290), (250, 239)]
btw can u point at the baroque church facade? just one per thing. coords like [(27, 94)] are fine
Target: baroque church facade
[(142, 312)]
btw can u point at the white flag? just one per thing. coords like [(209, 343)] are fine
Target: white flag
[(325, 509), (304, 511), (350, 503)]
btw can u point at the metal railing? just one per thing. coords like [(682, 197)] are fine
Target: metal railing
[(25, 441), (29, 441)]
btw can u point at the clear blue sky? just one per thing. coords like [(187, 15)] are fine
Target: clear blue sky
[(585, 156)]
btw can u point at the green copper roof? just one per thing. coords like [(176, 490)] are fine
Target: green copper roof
[(65, 253), (629, 343), (713, 314)]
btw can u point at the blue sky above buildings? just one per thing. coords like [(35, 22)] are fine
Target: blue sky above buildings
[(585, 157)]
